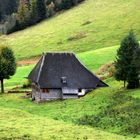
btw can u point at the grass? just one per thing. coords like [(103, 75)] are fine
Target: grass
[(90, 26), (60, 119), (121, 116), (95, 59), (19, 78), (40, 128)]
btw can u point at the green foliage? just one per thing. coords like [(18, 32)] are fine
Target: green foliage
[(26, 84), (50, 9), (30, 12), (0, 16), (137, 59), (121, 114), (41, 9), (33, 11), (23, 14), (66, 4), (126, 68), (7, 64)]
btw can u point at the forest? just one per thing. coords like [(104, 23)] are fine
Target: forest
[(19, 14)]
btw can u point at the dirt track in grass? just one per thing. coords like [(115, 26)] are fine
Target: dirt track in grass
[(27, 62)]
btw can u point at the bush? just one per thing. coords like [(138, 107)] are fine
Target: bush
[(26, 84)]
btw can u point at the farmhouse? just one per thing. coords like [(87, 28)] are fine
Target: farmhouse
[(61, 76)]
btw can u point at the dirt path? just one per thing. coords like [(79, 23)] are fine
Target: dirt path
[(27, 62)]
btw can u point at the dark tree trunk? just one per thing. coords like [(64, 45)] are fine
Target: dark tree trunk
[(124, 83), (2, 86)]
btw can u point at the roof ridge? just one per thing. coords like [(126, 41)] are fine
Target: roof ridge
[(60, 53), (43, 58)]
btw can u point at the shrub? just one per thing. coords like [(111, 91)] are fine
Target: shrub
[(26, 84)]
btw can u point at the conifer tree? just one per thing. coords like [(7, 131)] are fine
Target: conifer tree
[(7, 65), (66, 4), (126, 68), (0, 16), (41, 9), (33, 11), (23, 13), (137, 59)]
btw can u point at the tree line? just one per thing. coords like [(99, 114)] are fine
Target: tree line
[(18, 14)]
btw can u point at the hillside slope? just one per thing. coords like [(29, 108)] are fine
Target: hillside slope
[(91, 25), (112, 112)]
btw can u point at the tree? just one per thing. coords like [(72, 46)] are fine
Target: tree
[(66, 4), (33, 11), (0, 16), (126, 68), (23, 13), (41, 9), (7, 65), (136, 59)]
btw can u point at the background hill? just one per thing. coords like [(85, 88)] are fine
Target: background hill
[(91, 25)]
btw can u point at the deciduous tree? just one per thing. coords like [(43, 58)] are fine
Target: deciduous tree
[(7, 64)]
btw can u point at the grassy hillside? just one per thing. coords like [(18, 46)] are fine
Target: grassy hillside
[(64, 119), (91, 25), (34, 127)]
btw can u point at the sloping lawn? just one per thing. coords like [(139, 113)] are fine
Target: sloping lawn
[(91, 25), (111, 109)]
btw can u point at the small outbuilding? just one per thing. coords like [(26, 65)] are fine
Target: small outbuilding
[(61, 76)]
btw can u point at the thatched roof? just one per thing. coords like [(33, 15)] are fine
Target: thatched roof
[(58, 70)]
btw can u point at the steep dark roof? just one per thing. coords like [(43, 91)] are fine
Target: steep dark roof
[(57, 70)]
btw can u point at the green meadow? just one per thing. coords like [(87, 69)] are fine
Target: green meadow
[(93, 30), (103, 114), (91, 25)]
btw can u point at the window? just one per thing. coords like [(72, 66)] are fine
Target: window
[(45, 90), (79, 90), (63, 80)]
